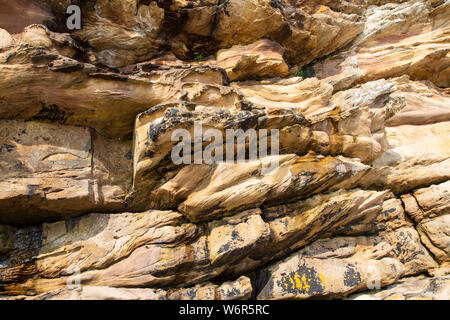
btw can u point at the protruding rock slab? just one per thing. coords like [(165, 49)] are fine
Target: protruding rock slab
[(51, 171), (421, 50), (307, 275), (63, 90), (262, 59), (414, 288), (240, 289)]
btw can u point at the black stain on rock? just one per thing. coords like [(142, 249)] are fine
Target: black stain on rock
[(305, 281), (52, 113), (352, 277), (7, 148)]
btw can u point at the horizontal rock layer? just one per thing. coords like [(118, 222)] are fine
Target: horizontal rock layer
[(350, 201)]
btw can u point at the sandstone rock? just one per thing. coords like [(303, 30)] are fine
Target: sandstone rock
[(152, 249), (47, 167), (301, 276), (425, 103), (232, 290), (416, 156), (240, 289), (122, 33), (427, 202), (126, 32), (353, 195), (15, 16), (6, 40), (82, 94), (414, 288), (262, 59), (408, 249), (435, 235), (360, 115), (233, 187), (420, 49), (94, 245), (236, 239)]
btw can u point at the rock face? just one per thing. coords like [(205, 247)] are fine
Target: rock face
[(344, 189), (262, 59)]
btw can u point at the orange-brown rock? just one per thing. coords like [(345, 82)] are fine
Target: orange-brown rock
[(343, 113), (262, 59)]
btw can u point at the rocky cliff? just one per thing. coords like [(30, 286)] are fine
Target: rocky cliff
[(92, 206)]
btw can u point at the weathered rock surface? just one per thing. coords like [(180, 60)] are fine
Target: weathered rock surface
[(262, 59), (50, 171), (405, 38), (350, 199), (417, 288)]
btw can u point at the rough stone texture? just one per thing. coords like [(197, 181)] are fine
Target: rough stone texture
[(324, 270), (239, 289), (355, 205), (417, 288), (50, 171), (405, 38), (262, 59)]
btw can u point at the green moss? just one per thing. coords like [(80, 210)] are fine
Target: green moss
[(301, 73), (199, 58)]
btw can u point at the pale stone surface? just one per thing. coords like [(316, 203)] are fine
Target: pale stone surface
[(51, 171), (360, 114), (435, 235), (233, 187), (304, 275), (414, 288), (417, 156), (92, 205), (239, 289), (406, 38), (6, 40)]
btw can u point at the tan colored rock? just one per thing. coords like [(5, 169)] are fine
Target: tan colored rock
[(55, 172), (434, 200), (413, 288), (158, 249), (6, 40), (101, 293), (425, 103), (231, 290), (409, 250), (434, 234), (360, 114), (233, 187), (297, 224), (309, 97), (429, 202), (240, 289), (406, 38), (236, 239), (122, 33), (45, 168), (261, 59), (355, 199), (301, 276), (417, 156), (78, 93), (126, 32), (124, 250)]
